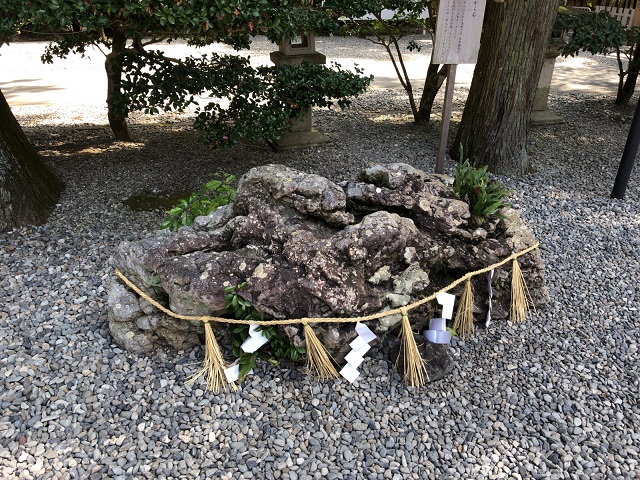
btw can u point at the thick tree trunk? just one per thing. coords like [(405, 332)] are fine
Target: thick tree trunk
[(495, 120), (435, 78), (28, 189), (113, 66)]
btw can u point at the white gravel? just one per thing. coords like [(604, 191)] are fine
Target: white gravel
[(555, 397)]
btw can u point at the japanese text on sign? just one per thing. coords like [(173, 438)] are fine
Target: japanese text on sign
[(458, 31)]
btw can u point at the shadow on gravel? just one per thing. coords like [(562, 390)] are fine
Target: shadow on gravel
[(149, 201)]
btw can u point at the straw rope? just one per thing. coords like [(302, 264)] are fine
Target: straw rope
[(463, 324), (521, 300), (365, 318), (318, 360), (415, 367)]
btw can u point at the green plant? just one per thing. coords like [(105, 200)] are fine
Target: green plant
[(122, 28), (279, 346), (213, 194), (474, 185), (261, 100), (601, 33)]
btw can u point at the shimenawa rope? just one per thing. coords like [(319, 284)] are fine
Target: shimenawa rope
[(365, 318), (318, 360)]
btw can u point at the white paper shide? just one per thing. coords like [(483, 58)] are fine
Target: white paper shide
[(359, 347), (254, 341), (437, 332), (490, 304)]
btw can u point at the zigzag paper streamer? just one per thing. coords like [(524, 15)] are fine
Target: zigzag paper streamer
[(489, 281), (359, 347), (437, 332), (233, 372), (446, 300), (254, 341)]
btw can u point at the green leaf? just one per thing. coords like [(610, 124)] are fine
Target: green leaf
[(474, 185), (246, 364)]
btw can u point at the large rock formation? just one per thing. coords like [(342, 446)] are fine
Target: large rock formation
[(307, 247)]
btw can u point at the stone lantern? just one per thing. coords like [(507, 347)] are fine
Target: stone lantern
[(540, 113), (301, 134)]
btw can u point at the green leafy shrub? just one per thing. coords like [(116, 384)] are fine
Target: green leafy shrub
[(261, 101), (474, 185), (601, 33), (123, 29), (279, 346), (213, 194)]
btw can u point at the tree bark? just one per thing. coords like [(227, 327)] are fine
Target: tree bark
[(495, 120), (432, 83), (626, 92), (113, 66), (436, 74), (28, 189)]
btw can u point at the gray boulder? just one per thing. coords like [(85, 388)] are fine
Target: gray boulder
[(307, 247)]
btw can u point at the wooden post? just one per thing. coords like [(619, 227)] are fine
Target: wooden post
[(628, 156), (446, 117), (635, 21), (459, 26)]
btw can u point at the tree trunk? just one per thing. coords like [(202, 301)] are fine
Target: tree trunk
[(495, 120), (435, 78), (113, 66), (436, 74), (28, 189), (625, 94)]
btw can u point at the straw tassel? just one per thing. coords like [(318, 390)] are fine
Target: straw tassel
[(415, 368), (318, 361), (213, 365), (463, 324), (521, 300)]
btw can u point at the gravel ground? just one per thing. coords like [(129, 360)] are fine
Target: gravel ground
[(555, 397)]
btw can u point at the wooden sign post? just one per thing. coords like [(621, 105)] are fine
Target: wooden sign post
[(457, 41)]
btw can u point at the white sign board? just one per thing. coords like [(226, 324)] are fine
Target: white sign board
[(458, 31)]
